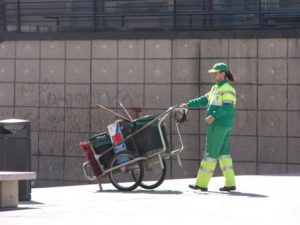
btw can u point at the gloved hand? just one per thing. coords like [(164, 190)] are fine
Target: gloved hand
[(180, 115)]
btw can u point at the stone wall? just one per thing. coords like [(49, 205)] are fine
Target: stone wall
[(56, 85)]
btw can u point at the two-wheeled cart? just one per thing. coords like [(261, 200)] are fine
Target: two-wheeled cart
[(134, 152)]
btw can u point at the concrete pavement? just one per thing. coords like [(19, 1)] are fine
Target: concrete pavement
[(258, 200)]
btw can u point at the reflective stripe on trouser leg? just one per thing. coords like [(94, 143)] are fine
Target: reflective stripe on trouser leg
[(205, 172), (227, 169)]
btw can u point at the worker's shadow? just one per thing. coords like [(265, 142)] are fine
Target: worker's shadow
[(140, 191), (234, 193)]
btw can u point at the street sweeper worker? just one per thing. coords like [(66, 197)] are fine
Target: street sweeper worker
[(220, 102)]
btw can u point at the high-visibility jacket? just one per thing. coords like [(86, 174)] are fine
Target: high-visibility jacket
[(220, 102)]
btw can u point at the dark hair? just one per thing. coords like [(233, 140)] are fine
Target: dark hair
[(230, 76)]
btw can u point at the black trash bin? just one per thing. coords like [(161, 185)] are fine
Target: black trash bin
[(15, 151), (148, 141)]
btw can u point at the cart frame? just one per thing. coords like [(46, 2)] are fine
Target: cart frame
[(145, 159)]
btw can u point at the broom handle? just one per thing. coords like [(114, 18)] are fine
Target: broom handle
[(116, 114)]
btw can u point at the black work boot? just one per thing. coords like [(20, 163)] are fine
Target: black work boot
[(195, 187), (231, 188)]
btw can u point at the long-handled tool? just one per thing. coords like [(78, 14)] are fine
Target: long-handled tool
[(116, 114)]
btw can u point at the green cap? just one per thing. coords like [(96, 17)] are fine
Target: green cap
[(219, 67)]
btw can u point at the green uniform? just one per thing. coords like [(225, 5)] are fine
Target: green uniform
[(220, 102)]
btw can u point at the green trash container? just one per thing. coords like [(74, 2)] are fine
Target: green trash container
[(100, 143), (148, 140)]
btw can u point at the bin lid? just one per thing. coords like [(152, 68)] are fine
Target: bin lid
[(100, 140), (146, 119), (13, 121)]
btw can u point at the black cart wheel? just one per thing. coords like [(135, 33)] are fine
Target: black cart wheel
[(121, 177), (154, 174)]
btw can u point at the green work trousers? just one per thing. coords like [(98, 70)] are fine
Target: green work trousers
[(217, 141), (217, 147)]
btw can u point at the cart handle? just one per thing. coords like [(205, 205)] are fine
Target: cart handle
[(163, 115)]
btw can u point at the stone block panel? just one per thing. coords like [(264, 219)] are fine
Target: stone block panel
[(191, 146), (6, 112), (28, 49), (27, 94), (52, 49), (52, 119), (52, 95), (272, 48), (51, 143), (78, 71), (77, 120), (104, 71), (6, 94), (294, 124), (204, 89), (131, 49), (100, 119), (272, 123), (34, 143), (184, 92), (293, 150), (214, 48), (34, 168), (29, 113), (293, 168), (158, 71), (246, 96), (242, 48), (78, 49), (27, 71), (293, 71), (244, 168), (7, 70), (72, 140), (272, 71), (104, 49), (131, 71), (293, 47), (272, 97), (104, 94), (243, 148), (77, 95), (272, 149), (158, 49), (7, 49), (245, 70), (157, 96), (294, 97), (245, 123), (185, 48), (51, 167), (73, 169), (132, 95), (185, 71), (271, 168), (52, 71), (189, 169)]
